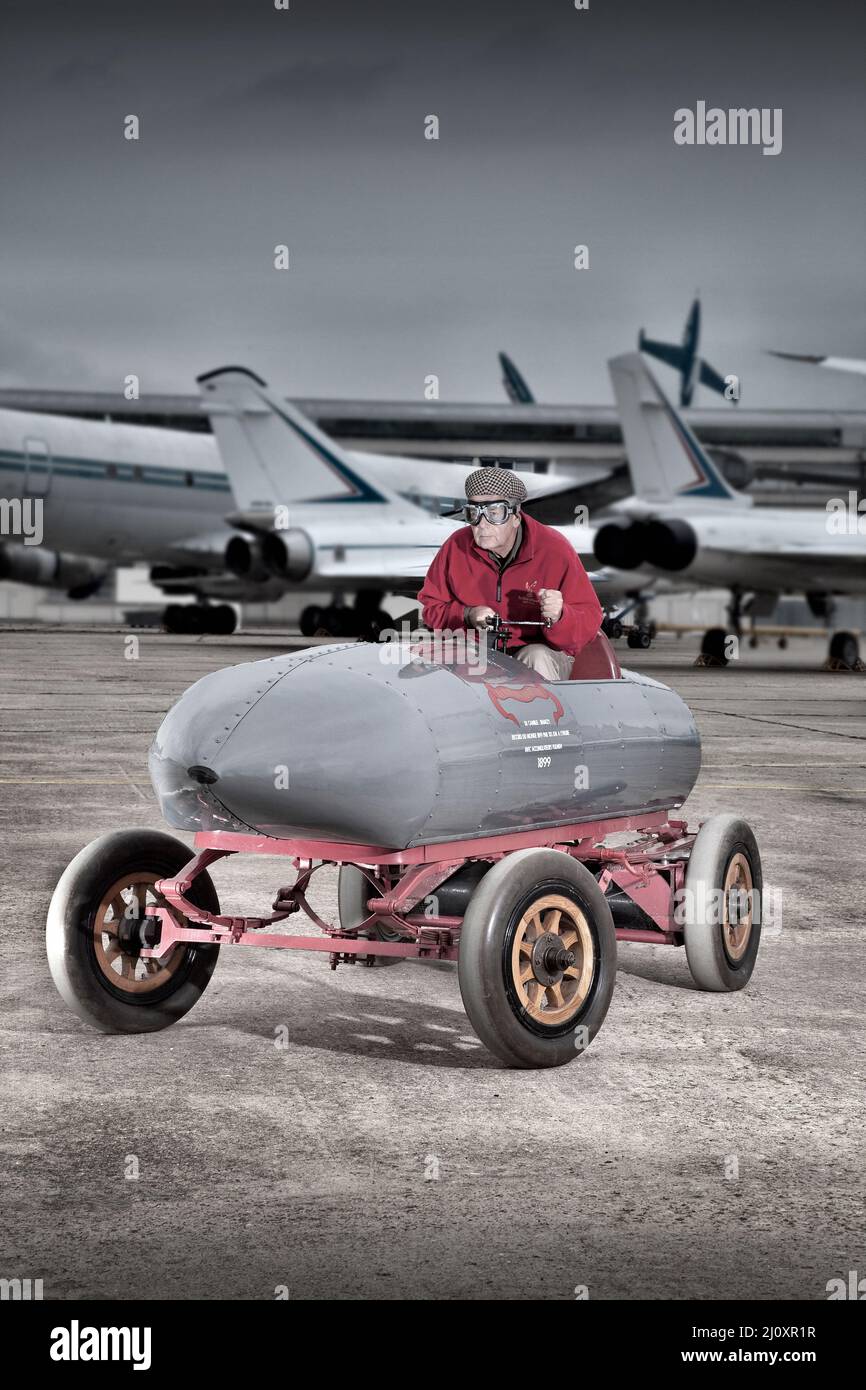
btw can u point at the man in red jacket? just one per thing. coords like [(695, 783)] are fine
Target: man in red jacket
[(506, 563)]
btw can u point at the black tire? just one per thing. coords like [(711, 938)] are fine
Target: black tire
[(223, 620), (844, 648), (311, 620), (374, 626), (337, 621), (713, 645), (493, 936), (173, 618), (720, 951), (353, 891), (71, 941)]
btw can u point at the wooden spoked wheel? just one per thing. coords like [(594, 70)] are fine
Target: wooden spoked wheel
[(537, 958), (96, 932), (723, 901), (738, 907)]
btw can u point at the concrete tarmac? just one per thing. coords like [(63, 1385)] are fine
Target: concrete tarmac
[(706, 1145)]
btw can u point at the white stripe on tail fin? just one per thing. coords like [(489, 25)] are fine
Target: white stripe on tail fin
[(665, 458)]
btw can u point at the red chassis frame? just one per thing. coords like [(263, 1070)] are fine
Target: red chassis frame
[(650, 870)]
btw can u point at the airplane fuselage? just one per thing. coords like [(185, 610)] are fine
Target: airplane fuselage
[(130, 494)]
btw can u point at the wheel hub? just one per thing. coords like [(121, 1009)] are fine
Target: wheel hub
[(129, 935), (121, 924), (552, 960)]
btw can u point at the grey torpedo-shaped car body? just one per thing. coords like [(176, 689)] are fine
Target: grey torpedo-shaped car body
[(368, 744)]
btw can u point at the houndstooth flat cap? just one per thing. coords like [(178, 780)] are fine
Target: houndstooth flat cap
[(496, 482)]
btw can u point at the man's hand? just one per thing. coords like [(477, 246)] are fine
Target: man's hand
[(480, 617), (551, 604)]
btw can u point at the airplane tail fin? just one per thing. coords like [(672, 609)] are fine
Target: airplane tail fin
[(684, 357), (273, 454), (666, 460), (514, 382)]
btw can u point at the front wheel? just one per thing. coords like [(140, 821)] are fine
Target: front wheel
[(93, 935), (537, 960)]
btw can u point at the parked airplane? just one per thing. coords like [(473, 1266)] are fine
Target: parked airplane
[(686, 521), (685, 358), (325, 538), (112, 494)]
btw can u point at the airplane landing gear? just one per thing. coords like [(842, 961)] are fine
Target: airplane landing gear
[(639, 634), (218, 619), (714, 643), (365, 618)]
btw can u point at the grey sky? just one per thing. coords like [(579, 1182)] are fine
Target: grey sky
[(412, 256)]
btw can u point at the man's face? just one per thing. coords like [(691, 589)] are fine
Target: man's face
[(498, 539)]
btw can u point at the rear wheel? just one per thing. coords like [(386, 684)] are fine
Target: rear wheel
[(722, 904), (537, 959), (94, 935)]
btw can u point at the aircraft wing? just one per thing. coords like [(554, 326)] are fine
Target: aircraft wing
[(794, 565), (857, 365)]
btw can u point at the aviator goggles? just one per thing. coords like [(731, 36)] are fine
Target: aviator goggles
[(497, 513)]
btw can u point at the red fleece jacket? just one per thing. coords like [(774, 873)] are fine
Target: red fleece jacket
[(464, 576)]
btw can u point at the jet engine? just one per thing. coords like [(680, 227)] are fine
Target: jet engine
[(669, 545), (283, 555), (51, 569), (625, 545), (620, 544)]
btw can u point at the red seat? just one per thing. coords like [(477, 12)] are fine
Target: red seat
[(596, 661)]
